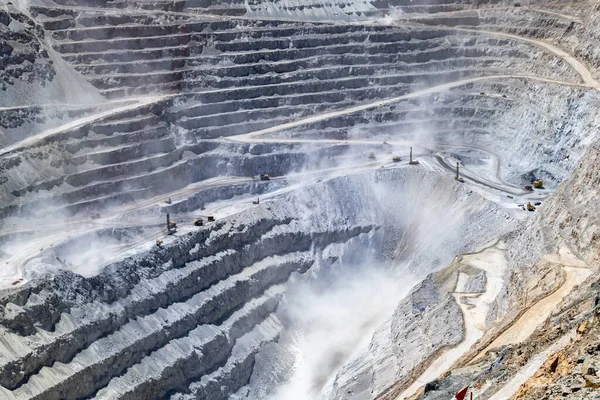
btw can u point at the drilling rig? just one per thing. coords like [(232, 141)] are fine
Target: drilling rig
[(171, 226), (458, 177)]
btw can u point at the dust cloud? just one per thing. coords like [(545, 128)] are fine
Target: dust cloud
[(328, 325)]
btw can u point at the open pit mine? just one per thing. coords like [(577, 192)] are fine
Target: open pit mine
[(299, 199)]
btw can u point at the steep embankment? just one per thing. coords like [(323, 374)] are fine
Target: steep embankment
[(31, 74), (206, 293), (202, 294), (417, 238), (553, 328)]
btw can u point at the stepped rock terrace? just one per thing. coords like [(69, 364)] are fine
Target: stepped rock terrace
[(116, 115)]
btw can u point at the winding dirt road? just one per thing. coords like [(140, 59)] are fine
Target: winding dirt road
[(130, 104), (578, 66), (253, 136), (493, 262), (55, 233), (525, 325)]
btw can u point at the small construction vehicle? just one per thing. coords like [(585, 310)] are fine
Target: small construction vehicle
[(211, 218), (159, 243), (168, 201), (371, 156), (396, 159), (264, 177), (171, 226), (529, 188), (539, 184), (530, 207), (198, 222), (257, 201)]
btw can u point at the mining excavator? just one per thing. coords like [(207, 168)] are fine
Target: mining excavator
[(539, 184), (264, 177), (530, 207), (171, 226)]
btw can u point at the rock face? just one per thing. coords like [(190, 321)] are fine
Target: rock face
[(201, 304), (115, 113), (422, 324), (196, 312), (565, 371), (429, 322), (24, 61), (31, 73), (419, 326), (473, 283)]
